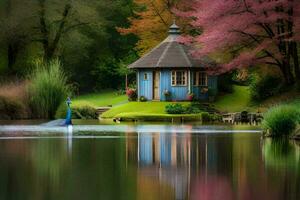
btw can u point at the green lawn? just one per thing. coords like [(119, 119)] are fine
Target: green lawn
[(238, 101), (100, 99), (139, 109)]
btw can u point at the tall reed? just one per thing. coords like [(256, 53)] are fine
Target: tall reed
[(281, 120), (47, 89)]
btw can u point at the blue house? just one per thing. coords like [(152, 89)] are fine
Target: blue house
[(169, 72)]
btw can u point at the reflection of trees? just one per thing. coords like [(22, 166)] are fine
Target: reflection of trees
[(210, 187), (174, 160), (281, 153), (14, 180), (45, 169), (249, 178), (282, 159), (163, 171), (99, 170), (151, 166), (50, 163)]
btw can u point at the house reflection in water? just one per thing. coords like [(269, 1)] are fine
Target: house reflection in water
[(164, 149), (172, 165), (158, 161), (163, 164)]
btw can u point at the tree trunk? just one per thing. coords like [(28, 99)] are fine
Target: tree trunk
[(49, 46), (13, 48), (284, 48), (296, 62), (288, 67), (44, 29), (11, 58)]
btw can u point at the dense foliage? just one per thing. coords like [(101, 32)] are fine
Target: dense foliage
[(151, 22), (175, 108), (78, 112), (143, 99), (48, 89), (81, 33), (281, 120), (263, 87), (11, 109), (132, 94), (252, 32)]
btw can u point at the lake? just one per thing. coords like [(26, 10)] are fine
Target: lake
[(145, 162)]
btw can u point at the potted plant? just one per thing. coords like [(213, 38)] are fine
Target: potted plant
[(190, 96), (167, 94), (204, 90), (132, 94), (143, 99)]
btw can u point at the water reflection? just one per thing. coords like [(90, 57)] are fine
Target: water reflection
[(153, 165)]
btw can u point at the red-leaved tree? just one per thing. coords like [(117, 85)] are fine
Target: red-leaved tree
[(254, 31)]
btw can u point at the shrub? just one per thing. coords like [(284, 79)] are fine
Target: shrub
[(14, 90), (85, 112), (212, 92), (190, 96), (281, 120), (11, 109), (81, 112), (262, 88), (225, 83), (132, 94), (192, 108), (48, 89), (174, 109), (143, 99), (205, 117)]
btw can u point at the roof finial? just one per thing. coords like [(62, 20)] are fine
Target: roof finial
[(174, 29)]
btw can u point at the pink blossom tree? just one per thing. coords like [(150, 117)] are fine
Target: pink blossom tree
[(254, 31)]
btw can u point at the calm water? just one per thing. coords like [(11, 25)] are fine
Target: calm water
[(145, 162)]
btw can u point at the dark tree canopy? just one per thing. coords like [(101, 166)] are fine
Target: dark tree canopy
[(81, 33)]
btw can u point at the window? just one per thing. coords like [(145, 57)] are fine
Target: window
[(145, 76), (200, 79), (179, 78)]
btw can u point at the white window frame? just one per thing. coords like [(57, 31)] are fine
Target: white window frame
[(174, 78), (197, 76)]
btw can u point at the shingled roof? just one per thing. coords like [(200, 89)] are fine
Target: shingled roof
[(170, 53)]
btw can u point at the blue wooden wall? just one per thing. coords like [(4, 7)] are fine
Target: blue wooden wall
[(145, 86), (212, 82), (178, 93)]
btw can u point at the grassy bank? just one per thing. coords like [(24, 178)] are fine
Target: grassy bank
[(84, 107), (237, 101), (282, 119), (139, 109), (105, 98), (240, 100)]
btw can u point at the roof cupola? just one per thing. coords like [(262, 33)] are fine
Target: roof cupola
[(174, 29)]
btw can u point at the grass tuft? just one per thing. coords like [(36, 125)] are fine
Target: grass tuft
[(48, 89), (281, 120)]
